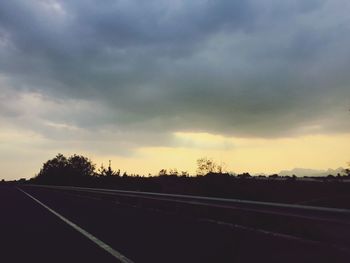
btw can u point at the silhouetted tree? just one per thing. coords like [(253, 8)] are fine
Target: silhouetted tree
[(173, 172), (53, 168), (347, 170), (244, 175), (75, 169), (208, 166), (205, 166), (102, 171), (81, 166), (184, 174), (163, 172)]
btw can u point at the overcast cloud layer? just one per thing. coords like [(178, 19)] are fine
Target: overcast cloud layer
[(136, 71)]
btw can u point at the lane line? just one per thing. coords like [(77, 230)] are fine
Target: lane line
[(204, 198), (275, 234), (94, 239), (198, 201)]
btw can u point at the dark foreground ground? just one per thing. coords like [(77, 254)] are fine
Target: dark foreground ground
[(30, 233)]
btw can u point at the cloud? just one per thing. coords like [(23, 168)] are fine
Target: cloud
[(136, 72)]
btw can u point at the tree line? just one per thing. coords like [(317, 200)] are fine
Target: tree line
[(78, 168), (211, 180)]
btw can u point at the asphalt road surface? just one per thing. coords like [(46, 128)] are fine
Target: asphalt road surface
[(31, 232)]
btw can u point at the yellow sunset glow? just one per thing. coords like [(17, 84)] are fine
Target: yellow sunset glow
[(241, 154)]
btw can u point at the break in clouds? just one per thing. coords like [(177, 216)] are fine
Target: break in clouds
[(135, 72)]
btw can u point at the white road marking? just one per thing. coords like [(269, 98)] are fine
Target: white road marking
[(204, 198), (265, 207), (275, 234), (94, 239)]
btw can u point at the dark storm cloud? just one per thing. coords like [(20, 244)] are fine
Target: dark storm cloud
[(144, 69)]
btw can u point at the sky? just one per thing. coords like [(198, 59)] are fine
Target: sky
[(260, 86)]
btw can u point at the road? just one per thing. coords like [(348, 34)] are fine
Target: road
[(32, 233)]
